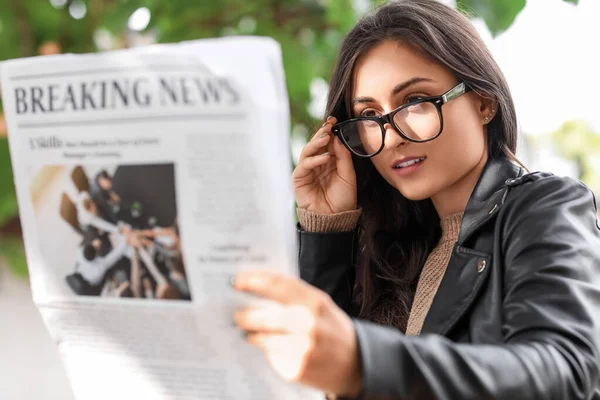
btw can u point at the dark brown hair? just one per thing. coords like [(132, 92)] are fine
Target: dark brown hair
[(396, 234)]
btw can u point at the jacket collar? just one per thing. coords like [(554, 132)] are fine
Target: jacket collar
[(466, 271), (488, 196)]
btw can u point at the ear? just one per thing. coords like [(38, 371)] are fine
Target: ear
[(488, 108)]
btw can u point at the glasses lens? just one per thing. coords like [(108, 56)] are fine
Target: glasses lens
[(420, 121), (363, 137)]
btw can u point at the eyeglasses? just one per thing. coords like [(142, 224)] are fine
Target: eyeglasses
[(418, 121)]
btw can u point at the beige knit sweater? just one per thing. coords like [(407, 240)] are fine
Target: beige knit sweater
[(433, 270)]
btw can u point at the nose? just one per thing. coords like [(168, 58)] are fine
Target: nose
[(392, 138)]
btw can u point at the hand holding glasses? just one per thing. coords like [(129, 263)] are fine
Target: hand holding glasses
[(324, 180)]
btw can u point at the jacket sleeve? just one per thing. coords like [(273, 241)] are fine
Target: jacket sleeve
[(551, 309), (326, 261)]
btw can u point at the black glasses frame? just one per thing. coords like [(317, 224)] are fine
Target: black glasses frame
[(437, 101)]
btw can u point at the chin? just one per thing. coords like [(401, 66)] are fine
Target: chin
[(416, 192), (415, 196)]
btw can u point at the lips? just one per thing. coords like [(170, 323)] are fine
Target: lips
[(407, 162)]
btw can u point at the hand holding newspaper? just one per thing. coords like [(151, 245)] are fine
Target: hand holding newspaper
[(147, 178)]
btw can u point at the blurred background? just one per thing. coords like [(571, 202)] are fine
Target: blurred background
[(548, 50)]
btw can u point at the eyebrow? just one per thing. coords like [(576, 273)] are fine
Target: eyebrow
[(397, 89)]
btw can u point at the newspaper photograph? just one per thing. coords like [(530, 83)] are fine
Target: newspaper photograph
[(146, 179), (109, 231)]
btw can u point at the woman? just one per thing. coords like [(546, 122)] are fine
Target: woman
[(454, 274)]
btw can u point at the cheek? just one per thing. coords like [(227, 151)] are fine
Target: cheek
[(462, 142), (382, 168), (460, 149)]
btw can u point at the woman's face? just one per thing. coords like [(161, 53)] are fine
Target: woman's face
[(461, 149)]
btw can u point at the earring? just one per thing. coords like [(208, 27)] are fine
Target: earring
[(486, 119)]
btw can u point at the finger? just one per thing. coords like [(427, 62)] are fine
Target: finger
[(287, 354), (267, 319), (308, 164), (276, 318), (319, 139), (316, 144), (326, 127), (331, 144), (343, 159), (285, 289), (270, 343)]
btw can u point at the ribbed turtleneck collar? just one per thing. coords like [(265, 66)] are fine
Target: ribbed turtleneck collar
[(451, 227)]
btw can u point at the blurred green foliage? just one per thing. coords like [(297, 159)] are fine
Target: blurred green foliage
[(576, 141), (8, 199), (13, 252), (309, 31), (498, 15)]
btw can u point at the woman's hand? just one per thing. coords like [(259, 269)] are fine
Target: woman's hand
[(324, 180), (306, 337)]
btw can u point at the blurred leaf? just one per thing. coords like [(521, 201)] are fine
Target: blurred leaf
[(498, 15), (8, 32), (576, 137), (8, 200), (13, 251), (115, 16), (377, 3), (575, 140), (341, 14)]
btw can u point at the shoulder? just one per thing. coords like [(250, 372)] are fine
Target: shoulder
[(549, 228), (541, 205), (543, 190), (544, 180)]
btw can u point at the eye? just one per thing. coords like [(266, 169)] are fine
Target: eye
[(414, 97), (369, 112)]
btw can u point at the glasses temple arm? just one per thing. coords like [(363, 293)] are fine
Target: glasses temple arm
[(453, 93)]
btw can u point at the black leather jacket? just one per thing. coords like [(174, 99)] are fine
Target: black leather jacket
[(517, 315)]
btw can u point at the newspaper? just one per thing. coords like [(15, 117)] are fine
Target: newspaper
[(146, 179)]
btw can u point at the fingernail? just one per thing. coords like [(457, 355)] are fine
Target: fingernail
[(323, 135), (324, 123), (325, 154), (329, 118), (232, 281)]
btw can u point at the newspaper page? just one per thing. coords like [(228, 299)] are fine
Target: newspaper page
[(146, 179)]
